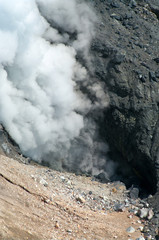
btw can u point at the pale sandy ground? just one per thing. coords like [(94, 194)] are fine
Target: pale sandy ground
[(30, 210)]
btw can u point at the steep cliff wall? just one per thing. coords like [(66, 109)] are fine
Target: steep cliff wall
[(126, 52)]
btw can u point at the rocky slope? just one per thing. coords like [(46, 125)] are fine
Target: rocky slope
[(39, 203)]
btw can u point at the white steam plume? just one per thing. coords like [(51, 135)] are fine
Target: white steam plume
[(41, 105)]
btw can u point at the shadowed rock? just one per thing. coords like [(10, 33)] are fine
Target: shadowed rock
[(126, 52)]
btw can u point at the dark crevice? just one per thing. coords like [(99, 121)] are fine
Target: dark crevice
[(43, 198), (155, 10), (8, 180), (123, 150), (132, 175)]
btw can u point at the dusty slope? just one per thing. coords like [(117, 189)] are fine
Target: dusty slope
[(39, 203)]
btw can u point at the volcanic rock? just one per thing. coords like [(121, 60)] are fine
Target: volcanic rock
[(130, 230), (123, 52), (134, 193), (126, 52)]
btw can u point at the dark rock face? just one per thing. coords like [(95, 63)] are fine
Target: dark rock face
[(126, 59), (126, 54)]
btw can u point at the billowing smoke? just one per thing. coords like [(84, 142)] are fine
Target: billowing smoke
[(47, 98)]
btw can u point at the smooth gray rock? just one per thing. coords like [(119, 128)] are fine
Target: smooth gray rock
[(43, 182), (143, 213), (130, 230), (119, 207), (140, 238), (134, 193), (150, 214)]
